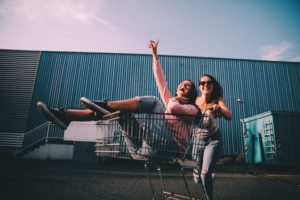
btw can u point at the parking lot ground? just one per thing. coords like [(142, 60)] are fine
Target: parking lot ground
[(55, 180)]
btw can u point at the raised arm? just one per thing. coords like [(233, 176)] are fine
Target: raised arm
[(159, 75)]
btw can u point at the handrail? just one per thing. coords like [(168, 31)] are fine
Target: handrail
[(38, 127), (17, 139), (23, 141), (36, 135)]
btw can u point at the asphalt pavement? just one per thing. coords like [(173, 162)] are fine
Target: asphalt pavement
[(55, 180)]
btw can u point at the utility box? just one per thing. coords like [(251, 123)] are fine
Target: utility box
[(272, 137)]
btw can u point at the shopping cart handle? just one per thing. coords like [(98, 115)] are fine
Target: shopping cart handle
[(111, 115)]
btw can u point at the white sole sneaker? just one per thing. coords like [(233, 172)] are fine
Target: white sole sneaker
[(90, 105), (48, 114)]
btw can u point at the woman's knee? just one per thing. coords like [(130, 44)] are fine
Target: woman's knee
[(204, 172), (149, 104)]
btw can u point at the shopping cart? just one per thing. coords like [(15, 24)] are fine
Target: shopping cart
[(148, 137)]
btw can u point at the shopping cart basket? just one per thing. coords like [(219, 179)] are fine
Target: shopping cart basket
[(148, 137)]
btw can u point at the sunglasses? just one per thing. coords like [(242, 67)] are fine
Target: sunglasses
[(202, 83)]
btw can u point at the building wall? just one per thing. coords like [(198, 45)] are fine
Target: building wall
[(63, 77), (17, 78)]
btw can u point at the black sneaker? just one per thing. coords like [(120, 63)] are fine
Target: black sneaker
[(54, 115), (99, 106)]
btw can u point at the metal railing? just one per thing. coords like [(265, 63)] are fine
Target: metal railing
[(20, 142), (42, 133)]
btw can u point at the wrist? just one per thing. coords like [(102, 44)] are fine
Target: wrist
[(219, 111)]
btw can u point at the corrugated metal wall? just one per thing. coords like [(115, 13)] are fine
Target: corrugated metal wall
[(64, 77), (17, 76)]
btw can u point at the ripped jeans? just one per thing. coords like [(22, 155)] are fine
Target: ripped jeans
[(206, 152)]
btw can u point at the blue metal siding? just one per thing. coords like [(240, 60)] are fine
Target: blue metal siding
[(64, 77)]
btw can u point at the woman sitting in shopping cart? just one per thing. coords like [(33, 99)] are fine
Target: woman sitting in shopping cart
[(182, 104)]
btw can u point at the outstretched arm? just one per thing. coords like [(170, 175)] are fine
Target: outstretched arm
[(159, 75)]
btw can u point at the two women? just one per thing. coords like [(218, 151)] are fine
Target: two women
[(206, 136)]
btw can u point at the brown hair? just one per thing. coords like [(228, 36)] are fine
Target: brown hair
[(192, 94), (217, 92)]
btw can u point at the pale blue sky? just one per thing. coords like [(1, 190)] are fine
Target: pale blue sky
[(246, 29)]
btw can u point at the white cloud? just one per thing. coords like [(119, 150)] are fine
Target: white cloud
[(297, 59), (54, 11), (275, 51)]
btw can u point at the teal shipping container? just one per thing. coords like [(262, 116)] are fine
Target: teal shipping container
[(272, 138)]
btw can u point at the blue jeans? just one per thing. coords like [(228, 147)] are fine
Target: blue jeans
[(150, 104), (158, 135), (206, 152)]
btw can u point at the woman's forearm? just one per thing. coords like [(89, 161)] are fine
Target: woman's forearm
[(161, 82), (154, 56), (224, 111)]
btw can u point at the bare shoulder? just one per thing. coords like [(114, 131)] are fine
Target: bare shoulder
[(221, 101)]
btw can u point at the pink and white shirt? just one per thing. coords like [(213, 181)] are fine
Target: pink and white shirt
[(180, 126)]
